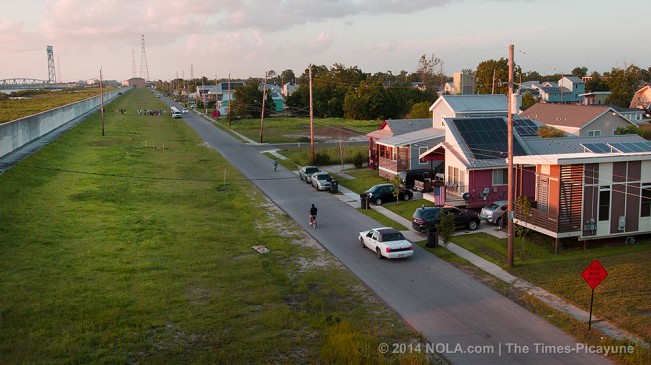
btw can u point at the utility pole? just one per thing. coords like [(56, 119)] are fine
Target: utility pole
[(101, 98), (493, 85), (311, 116), (510, 162), (264, 97), (229, 99)]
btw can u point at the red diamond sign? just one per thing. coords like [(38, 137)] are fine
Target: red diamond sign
[(594, 274)]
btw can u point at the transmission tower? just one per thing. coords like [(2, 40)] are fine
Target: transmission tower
[(133, 63), (144, 72), (52, 77)]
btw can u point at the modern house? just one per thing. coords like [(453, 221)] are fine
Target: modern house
[(289, 88), (475, 151), (589, 188), (385, 157), (401, 152), (463, 83), (642, 98), (579, 120), (462, 106), (595, 98), (568, 90), (202, 92)]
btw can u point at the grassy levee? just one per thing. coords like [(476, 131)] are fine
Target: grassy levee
[(37, 102), (113, 252)]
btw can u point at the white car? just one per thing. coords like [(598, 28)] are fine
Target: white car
[(321, 180), (386, 242), (184, 111)]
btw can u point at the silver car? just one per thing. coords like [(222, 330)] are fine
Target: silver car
[(493, 213), (321, 180)]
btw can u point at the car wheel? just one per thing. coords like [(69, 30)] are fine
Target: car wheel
[(378, 253), (378, 201), (498, 222), (406, 197), (472, 225), (361, 240)]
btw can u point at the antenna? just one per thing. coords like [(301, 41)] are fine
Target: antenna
[(144, 71), (52, 77)]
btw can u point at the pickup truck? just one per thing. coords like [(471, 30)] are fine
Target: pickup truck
[(426, 185)]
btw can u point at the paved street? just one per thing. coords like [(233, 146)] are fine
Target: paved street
[(450, 309)]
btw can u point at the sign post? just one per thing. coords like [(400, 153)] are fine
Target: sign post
[(594, 274)]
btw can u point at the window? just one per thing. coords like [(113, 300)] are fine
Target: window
[(501, 177), (604, 203), (594, 133), (421, 150), (645, 204)]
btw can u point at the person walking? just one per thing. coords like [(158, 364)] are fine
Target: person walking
[(275, 163)]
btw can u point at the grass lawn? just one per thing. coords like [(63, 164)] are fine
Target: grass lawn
[(286, 130), (113, 252), (11, 109)]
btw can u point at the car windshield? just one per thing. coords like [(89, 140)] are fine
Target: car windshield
[(393, 237), (493, 206), (323, 176)]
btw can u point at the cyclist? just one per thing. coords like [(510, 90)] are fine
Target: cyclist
[(313, 212)]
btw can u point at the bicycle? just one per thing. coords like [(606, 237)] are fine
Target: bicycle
[(313, 221)]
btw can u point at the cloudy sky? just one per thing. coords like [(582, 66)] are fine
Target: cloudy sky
[(247, 37)]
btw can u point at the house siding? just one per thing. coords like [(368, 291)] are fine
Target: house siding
[(606, 124)]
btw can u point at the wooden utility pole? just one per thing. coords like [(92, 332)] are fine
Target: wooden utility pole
[(510, 158), (311, 116), (101, 98), (264, 97), (493, 84)]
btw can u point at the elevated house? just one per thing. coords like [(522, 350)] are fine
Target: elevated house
[(393, 156), (224, 93), (642, 98), (475, 151), (402, 152), (590, 188), (579, 120)]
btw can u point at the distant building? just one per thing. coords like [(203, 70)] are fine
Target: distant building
[(137, 82), (289, 88), (463, 83)]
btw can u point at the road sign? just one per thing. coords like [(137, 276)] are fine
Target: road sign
[(594, 274)]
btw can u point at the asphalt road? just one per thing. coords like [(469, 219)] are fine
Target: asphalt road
[(467, 321)]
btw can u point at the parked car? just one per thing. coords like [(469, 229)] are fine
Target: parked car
[(184, 111), (494, 212), (321, 180), (386, 242), (426, 218), (383, 193), (306, 171), (408, 177)]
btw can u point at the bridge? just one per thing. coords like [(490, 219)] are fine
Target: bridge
[(27, 83)]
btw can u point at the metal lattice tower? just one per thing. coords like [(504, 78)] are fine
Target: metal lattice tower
[(144, 71), (51, 75)]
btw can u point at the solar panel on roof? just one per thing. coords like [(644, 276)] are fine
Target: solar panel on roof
[(597, 147), (525, 127), (629, 147), (486, 137)]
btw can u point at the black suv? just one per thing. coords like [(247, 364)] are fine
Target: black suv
[(426, 218), (382, 193)]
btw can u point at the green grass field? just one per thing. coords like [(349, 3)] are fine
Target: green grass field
[(131, 248)]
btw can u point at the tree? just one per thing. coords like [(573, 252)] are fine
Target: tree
[(596, 83), (430, 72), (528, 100), (486, 84), (623, 83), (248, 100), (445, 227), (580, 71), (420, 110), (547, 131), (521, 231), (396, 188)]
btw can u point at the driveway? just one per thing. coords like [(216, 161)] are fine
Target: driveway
[(465, 320)]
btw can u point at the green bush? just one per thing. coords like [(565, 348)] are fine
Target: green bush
[(322, 158), (358, 160)]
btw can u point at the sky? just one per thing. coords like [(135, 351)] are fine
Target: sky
[(246, 38)]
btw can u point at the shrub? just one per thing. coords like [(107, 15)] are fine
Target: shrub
[(322, 158), (358, 160)]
